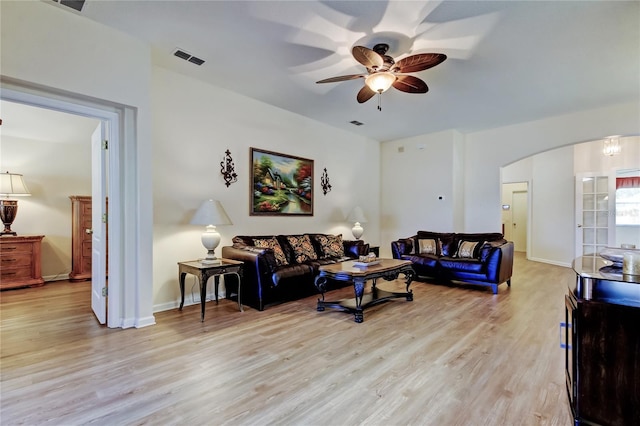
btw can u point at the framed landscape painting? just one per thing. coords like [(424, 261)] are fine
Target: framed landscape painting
[(280, 184)]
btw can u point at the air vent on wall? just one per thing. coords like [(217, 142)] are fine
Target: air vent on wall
[(356, 123), (73, 4), (188, 57)]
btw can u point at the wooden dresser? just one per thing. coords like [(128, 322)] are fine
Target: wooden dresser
[(20, 261), (80, 238)]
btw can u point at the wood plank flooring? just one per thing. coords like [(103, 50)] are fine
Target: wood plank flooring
[(454, 356)]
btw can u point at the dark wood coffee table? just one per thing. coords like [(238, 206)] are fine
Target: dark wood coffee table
[(388, 269)]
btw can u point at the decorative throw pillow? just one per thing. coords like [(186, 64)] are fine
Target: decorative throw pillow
[(273, 244), (468, 249), (427, 246), (302, 248), (331, 245)]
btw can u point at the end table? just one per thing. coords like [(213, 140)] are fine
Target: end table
[(204, 271)]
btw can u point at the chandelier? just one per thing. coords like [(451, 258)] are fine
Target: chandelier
[(611, 147)]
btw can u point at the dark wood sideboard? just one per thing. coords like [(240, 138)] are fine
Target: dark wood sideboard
[(602, 337), (20, 261)]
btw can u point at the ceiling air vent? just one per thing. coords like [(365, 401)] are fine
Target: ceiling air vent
[(188, 57), (356, 123), (73, 4)]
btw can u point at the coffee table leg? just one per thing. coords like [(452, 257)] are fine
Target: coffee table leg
[(409, 278), (320, 283), (358, 287)]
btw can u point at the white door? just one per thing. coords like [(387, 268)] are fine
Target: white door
[(519, 211), (595, 213), (98, 224)]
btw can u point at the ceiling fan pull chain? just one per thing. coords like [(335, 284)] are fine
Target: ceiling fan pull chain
[(379, 101)]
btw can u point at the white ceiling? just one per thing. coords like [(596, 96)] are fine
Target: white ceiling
[(508, 61)]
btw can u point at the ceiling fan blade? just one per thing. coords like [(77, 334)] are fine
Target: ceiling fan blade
[(341, 78), (365, 94), (367, 57), (410, 84), (419, 62)]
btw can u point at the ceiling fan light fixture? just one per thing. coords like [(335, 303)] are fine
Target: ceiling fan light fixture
[(380, 82)]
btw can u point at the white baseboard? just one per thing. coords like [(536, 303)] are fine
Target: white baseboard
[(189, 299), (550, 262), (145, 322)]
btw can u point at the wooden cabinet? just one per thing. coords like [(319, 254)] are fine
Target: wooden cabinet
[(603, 346), (20, 261), (80, 238)]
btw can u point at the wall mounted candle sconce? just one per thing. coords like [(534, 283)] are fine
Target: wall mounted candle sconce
[(324, 182), (227, 168)]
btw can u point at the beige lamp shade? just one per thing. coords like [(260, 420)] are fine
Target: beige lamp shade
[(210, 213), (12, 184)]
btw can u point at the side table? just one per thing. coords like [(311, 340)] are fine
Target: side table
[(204, 271)]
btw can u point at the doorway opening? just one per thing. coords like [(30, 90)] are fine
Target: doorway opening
[(107, 118), (515, 214)]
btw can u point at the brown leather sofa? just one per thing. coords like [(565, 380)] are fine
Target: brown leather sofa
[(482, 258), (278, 268)]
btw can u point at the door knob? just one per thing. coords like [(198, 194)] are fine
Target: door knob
[(579, 226)]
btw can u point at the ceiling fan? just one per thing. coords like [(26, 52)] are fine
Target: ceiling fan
[(383, 71)]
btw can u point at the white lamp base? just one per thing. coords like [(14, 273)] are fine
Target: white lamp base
[(357, 231), (210, 240)]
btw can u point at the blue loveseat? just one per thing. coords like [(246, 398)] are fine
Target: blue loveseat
[(483, 258)]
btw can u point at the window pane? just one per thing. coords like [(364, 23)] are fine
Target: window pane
[(602, 184), (588, 236), (628, 206), (587, 219), (602, 219), (588, 202)]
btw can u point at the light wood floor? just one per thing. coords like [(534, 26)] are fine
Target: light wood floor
[(453, 356)]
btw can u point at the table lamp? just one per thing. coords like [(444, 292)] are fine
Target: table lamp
[(357, 215), (11, 185), (210, 213)]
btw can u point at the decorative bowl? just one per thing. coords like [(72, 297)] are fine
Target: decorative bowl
[(615, 254)]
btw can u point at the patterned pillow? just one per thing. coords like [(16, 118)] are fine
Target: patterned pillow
[(273, 244), (302, 248), (427, 246), (331, 245), (468, 249)]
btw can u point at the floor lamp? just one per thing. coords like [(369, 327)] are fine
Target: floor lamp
[(11, 185)]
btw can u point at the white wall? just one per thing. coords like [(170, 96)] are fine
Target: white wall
[(428, 172), (489, 150), (53, 171), (552, 195), (551, 199), (195, 123), (416, 172), (552, 209)]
